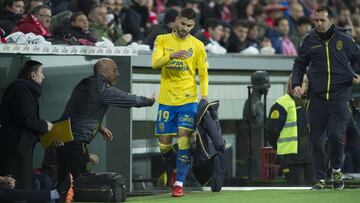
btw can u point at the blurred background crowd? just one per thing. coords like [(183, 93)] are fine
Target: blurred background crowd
[(224, 26)]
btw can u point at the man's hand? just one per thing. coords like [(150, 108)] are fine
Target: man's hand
[(94, 159), (204, 97), (298, 91), (106, 133), (57, 143), (181, 54), (8, 181), (356, 79)]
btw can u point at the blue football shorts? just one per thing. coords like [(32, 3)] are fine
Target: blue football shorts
[(170, 118)]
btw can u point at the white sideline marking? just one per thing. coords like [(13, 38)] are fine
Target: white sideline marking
[(257, 188)]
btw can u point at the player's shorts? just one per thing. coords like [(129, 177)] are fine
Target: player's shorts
[(170, 118)]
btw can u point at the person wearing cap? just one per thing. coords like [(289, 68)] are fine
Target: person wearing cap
[(273, 12), (325, 55), (166, 27), (21, 125)]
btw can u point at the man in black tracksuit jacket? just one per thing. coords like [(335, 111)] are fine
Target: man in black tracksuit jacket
[(327, 51), (86, 108)]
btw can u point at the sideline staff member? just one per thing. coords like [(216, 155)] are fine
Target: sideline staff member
[(289, 135), (86, 108), (21, 125), (328, 50)]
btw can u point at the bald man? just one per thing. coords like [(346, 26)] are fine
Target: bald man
[(86, 108)]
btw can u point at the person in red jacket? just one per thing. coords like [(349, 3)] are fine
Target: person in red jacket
[(37, 22)]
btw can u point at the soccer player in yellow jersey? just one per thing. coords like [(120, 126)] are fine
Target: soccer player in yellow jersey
[(179, 55)]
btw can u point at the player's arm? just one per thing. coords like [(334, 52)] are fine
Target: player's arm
[(159, 58), (202, 66)]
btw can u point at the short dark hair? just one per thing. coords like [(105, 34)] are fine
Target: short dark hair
[(327, 9), (188, 13), (95, 6), (251, 25), (29, 67), (170, 16), (277, 21), (241, 23), (211, 23), (303, 20), (75, 15), (37, 9), (11, 2)]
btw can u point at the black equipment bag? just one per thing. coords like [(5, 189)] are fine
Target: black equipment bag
[(100, 187)]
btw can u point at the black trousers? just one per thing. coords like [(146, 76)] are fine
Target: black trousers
[(18, 161), (8, 194), (328, 121), (73, 158), (300, 174)]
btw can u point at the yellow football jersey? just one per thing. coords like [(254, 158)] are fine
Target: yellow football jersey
[(178, 84)]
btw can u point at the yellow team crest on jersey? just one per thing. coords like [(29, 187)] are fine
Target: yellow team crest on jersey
[(275, 114), (339, 45)]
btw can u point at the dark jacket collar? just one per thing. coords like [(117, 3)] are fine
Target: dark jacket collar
[(34, 87), (327, 35)]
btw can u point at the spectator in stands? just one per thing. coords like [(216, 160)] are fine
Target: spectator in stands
[(9, 193), (79, 30), (343, 16), (211, 36), (37, 22), (259, 19), (208, 9), (253, 34), (280, 39), (33, 4), (356, 24), (304, 25), (273, 12), (110, 5), (296, 12), (287, 117), (245, 9), (99, 27), (14, 9), (128, 19), (166, 27), (238, 38), (140, 7), (264, 45), (86, 108), (21, 125)]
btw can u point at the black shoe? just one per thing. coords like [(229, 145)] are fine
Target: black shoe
[(337, 181), (319, 185), (65, 190)]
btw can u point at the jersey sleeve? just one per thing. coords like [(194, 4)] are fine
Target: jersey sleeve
[(159, 58), (202, 66)]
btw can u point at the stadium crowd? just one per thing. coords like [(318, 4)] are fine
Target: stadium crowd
[(224, 26)]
